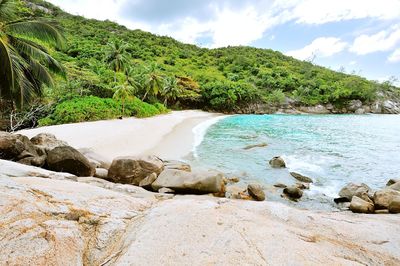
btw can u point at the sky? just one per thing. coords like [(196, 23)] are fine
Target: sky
[(355, 36)]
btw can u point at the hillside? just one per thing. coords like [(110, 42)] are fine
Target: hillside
[(232, 79)]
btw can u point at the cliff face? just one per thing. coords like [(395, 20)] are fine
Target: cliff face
[(59, 220)]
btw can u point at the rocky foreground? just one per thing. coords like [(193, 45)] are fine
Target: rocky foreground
[(61, 206), (57, 219)]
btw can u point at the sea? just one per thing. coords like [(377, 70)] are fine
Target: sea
[(331, 149)]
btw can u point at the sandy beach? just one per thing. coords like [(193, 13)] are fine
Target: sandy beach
[(168, 136)]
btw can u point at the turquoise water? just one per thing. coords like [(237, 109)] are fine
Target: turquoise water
[(331, 149)]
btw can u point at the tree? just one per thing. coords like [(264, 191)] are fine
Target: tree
[(25, 64), (152, 81), (124, 91), (171, 89), (117, 56)]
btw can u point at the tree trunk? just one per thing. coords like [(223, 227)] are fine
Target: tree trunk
[(145, 95)]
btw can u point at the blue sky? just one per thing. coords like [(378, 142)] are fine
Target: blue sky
[(361, 36)]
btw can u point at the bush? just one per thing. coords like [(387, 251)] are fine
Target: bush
[(92, 108)]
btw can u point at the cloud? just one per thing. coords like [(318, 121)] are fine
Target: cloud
[(320, 12), (384, 40), (320, 47), (395, 56)]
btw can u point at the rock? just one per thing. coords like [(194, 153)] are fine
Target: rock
[(177, 165), (359, 205), (256, 191), (132, 170), (301, 177), (392, 181), (67, 159), (15, 147), (47, 141), (234, 179), (391, 107), (166, 190), (383, 198), (303, 186), (249, 147), (318, 109), (394, 206), (360, 111), (280, 185), (13, 169), (101, 173), (96, 159), (237, 192), (351, 190), (376, 108), (146, 183), (277, 162), (188, 183), (353, 105), (395, 186), (293, 192)]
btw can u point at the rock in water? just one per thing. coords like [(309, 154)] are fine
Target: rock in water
[(358, 205), (261, 145), (190, 183), (277, 162), (256, 191), (280, 185), (146, 183), (301, 177), (351, 190), (47, 141), (293, 192), (394, 206), (132, 170), (67, 159), (383, 198)]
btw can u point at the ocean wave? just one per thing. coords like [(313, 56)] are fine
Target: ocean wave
[(200, 131)]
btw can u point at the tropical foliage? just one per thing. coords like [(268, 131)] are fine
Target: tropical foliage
[(25, 60)]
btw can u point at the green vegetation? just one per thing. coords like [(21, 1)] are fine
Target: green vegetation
[(107, 63)]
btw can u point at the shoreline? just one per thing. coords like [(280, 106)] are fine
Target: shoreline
[(169, 136)]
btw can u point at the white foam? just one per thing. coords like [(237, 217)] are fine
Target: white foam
[(294, 163), (200, 131)]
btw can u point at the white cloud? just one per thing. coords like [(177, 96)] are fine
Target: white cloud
[(320, 12), (395, 56), (320, 47), (384, 40)]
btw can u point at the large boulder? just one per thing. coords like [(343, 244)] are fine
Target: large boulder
[(384, 197), (352, 189), (391, 107), (354, 105), (301, 177), (68, 159), (132, 170), (15, 147), (277, 162), (394, 205), (146, 183), (47, 141), (359, 205), (256, 191), (192, 183)]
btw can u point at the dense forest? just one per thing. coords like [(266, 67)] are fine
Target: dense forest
[(110, 71)]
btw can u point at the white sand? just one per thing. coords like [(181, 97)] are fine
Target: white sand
[(169, 136)]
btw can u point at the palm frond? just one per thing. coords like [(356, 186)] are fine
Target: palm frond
[(6, 70), (30, 49), (46, 31), (7, 10), (40, 75)]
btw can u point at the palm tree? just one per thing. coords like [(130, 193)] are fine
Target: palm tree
[(25, 64), (124, 91), (171, 90), (153, 81), (117, 56)]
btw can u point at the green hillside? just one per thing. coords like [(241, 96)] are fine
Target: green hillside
[(225, 79)]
